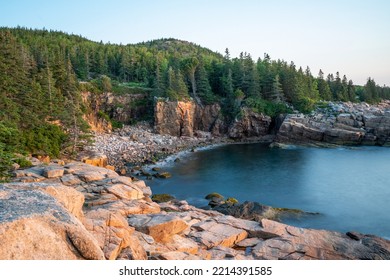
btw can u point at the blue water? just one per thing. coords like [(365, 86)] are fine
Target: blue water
[(349, 187)]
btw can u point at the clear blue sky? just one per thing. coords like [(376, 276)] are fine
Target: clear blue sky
[(352, 37)]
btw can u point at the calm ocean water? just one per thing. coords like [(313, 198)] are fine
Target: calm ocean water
[(349, 187)]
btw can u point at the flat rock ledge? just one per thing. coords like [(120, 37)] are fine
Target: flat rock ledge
[(338, 124), (79, 211)]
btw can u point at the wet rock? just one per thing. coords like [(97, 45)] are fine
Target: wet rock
[(163, 175), (253, 211), (159, 198)]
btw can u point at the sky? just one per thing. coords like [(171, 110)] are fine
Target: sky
[(352, 37)]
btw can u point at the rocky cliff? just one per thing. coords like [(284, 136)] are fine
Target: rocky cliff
[(101, 108), (339, 123), (79, 211), (94, 105), (185, 118), (250, 124)]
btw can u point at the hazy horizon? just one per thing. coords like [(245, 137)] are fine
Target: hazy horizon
[(344, 36)]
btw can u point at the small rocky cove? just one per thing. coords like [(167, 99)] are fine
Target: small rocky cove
[(94, 209)]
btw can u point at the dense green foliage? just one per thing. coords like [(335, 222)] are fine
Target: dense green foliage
[(43, 72), (40, 103)]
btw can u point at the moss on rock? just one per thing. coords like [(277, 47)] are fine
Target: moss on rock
[(164, 197)]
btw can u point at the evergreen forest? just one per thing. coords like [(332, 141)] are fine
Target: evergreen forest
[(42, 75)]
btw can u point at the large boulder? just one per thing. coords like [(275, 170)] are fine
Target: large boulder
[(298, 243), (113, 234), (69, 198), (34, 225), (161, 227)]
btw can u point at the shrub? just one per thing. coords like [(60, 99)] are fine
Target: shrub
[(5, 163), (267, 107), (23, 162)]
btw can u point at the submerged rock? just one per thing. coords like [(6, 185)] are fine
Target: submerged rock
[(255, 211), (163, 175)]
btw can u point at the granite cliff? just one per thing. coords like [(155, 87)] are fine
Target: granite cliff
[(186, 118), (339, 124)]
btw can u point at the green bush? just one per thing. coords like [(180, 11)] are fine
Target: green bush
[(9, 136), (304, 104), (5, 163), (267, 107), (23, 162), (103, 115), (46, 140), (116, 124)]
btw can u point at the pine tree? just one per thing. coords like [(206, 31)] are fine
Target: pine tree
[(277, 91), (176, 87), (203, 85), (323, 87), (351, 91), (189, 66)]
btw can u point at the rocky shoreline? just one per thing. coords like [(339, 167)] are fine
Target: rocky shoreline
[(75, 210), (330, 125), (138, 145), (338, 124)]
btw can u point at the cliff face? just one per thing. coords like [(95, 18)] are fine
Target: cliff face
[(124, 108), (187, 118), (341, 124), (121, 108), (179, 118), (251, 124), (79, 211), (94, 106)]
